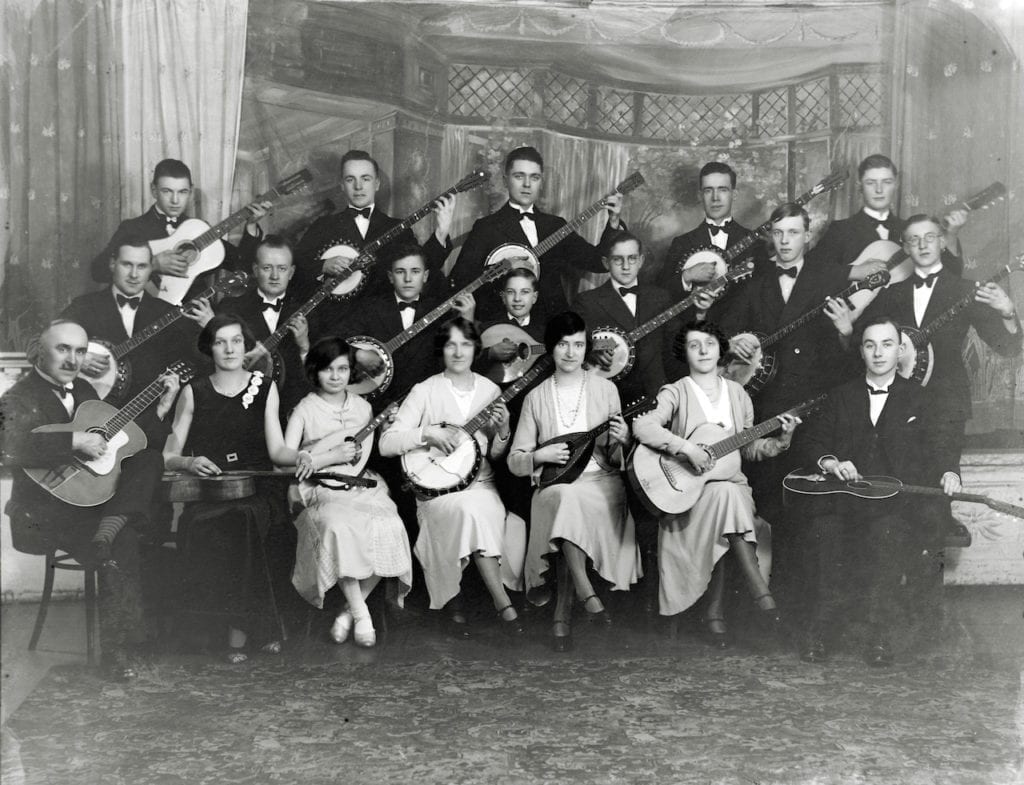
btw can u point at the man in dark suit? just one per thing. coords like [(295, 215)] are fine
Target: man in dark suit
[(49, 393), (877, 424), (519, 221), (172, 194), (361, 222)]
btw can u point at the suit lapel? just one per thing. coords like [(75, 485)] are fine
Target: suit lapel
[(112, 315), (615, 307), (943, 295), (801, 299)]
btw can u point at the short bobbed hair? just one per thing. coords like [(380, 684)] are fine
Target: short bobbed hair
[(221, 320), (563, 324), (323, 353)]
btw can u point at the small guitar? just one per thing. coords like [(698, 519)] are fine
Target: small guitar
[(722, 259), (118, 376), (430, 473), (882, 487), (362, 258), (88, 482), (761, 370), (201, 244), (521, 256), (581, 446), (372, 384), (669, 484), (231, 485), (918, 358), (624, 344)]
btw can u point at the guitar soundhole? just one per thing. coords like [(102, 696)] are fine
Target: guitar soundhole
[(190, 252)]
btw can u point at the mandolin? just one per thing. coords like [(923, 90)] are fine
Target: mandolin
[(527, 351), (581, 446), (882, 487), (241, 484), (362, 258), (87, 482), (201, 244), (668, 484), (521, 256)]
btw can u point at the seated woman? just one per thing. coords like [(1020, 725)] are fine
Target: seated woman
[(471, 523), (352, 537), (229, 421), (690, 545), (586, 520)]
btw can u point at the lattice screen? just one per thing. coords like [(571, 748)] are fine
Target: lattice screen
[(614, 111), (567, 100), (812, 106), (860, 100), (773, 112), (699, 118), (480, 91)]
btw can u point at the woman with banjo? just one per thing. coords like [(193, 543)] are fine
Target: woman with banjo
[(469, 522), (723, 519), (587, 520)]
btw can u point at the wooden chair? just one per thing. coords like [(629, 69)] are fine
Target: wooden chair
[(61, 560)]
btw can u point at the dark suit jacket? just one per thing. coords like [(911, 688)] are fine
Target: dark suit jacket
[(573, 254), (332, 229)]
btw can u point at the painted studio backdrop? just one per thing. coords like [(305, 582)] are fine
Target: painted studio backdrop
[(249, 92)]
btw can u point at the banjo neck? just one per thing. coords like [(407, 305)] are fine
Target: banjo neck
[(542, 366), (272, 341)]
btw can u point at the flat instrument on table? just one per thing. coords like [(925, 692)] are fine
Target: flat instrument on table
[(669, 483), (113, 382), (241, 484), (581, 446), (722, 259), (523, 256), (201, 244), (757, 373), (883, 487), (363, 255), (87, 482)]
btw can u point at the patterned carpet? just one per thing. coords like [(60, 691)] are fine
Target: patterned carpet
[(672, 714)]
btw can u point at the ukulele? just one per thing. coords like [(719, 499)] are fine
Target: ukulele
[(363, 436), (201, 244)]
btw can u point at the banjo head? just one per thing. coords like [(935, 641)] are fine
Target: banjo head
[(708, 253), (366, 384), (355, 280), (623, 351), (516, 255), (115, 380), (431, 473), (915, 363)]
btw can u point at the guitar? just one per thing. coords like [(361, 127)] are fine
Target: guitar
[(761, 369), (362, 258), (200, 243), (113, 382), (918, 358), (87, 482), (430, 473), (669, 484), (581, 446), (371, 384), (522, 256), (882, 487), (624, 344), (897, 260), (231, 485), (722, 259)]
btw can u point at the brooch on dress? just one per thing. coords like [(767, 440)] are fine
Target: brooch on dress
[(254, 387)]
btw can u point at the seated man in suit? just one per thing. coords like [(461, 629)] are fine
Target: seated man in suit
[(519, 221), (877, 424), (171, 189), (49, 393), (361, 222)]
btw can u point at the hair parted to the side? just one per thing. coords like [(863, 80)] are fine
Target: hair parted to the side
[(323, 353), (205, 341), (172, 167), (464, 326), (708, 328)]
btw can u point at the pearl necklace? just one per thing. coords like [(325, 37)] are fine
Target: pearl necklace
[(579, 401)]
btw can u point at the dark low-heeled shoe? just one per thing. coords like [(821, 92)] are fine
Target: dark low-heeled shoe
[(561, 643), (512, 627), (454, 628), (717, 632), (597, 617)]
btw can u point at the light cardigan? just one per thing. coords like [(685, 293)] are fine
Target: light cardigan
[(539, 422), (660, 429)]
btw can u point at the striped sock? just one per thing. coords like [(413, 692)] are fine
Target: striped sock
[(110, 526)]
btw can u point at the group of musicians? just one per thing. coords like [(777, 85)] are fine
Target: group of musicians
[(484, 376)]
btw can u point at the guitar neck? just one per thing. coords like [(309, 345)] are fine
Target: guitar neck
[(556, 237), (540, 367), (654, 323), (136, 406), (744, 437), (960, 496), (951, 313), (272, 341), (237, 218), (150, 330), (800, 321)]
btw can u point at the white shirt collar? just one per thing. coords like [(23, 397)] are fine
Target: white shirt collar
[(522, 323), (925, 273), (884, 384), (798, 265), (520, 209), (721, 223), (878, 216), (270, 300)]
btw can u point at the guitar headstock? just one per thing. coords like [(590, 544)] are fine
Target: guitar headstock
[(294, 182), (631, 183), (471, 181), (830, 183), (184, 370), (233, 284), (986, 198)]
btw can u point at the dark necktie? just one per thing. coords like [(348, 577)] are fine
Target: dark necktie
[(873, 391), (354, 211), (528, 217), (63, 390), (274, 306), (715, 229), (624, 290), (403, 305), (786, 271), (131, 302), (928, 280)]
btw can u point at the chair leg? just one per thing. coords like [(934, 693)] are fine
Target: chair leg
[(90, 615), (44, 603)]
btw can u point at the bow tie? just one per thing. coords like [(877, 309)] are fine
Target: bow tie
[(715, 228), (624, 290), (63, 390), (528, 217), (274, 306), (928, 280), (354, 211), (883, 222), (790, 271), (131, 302), (873, 391), (403, 305)]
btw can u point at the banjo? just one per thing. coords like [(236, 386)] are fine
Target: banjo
[(917, 360), (723, 258), (623, 344), (373, 383), (113, 382), (362, 256), (430, 473), (522, 256)]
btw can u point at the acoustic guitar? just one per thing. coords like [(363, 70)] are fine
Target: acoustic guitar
[(113, 382), (882, 487), (917, 360), (87, 482), (233, 485), (201, 244), (669, 484), (363, 255), (756, 374), (522, 256), (581, 446)]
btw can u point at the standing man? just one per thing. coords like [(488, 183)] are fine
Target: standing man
[(519, 221)]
